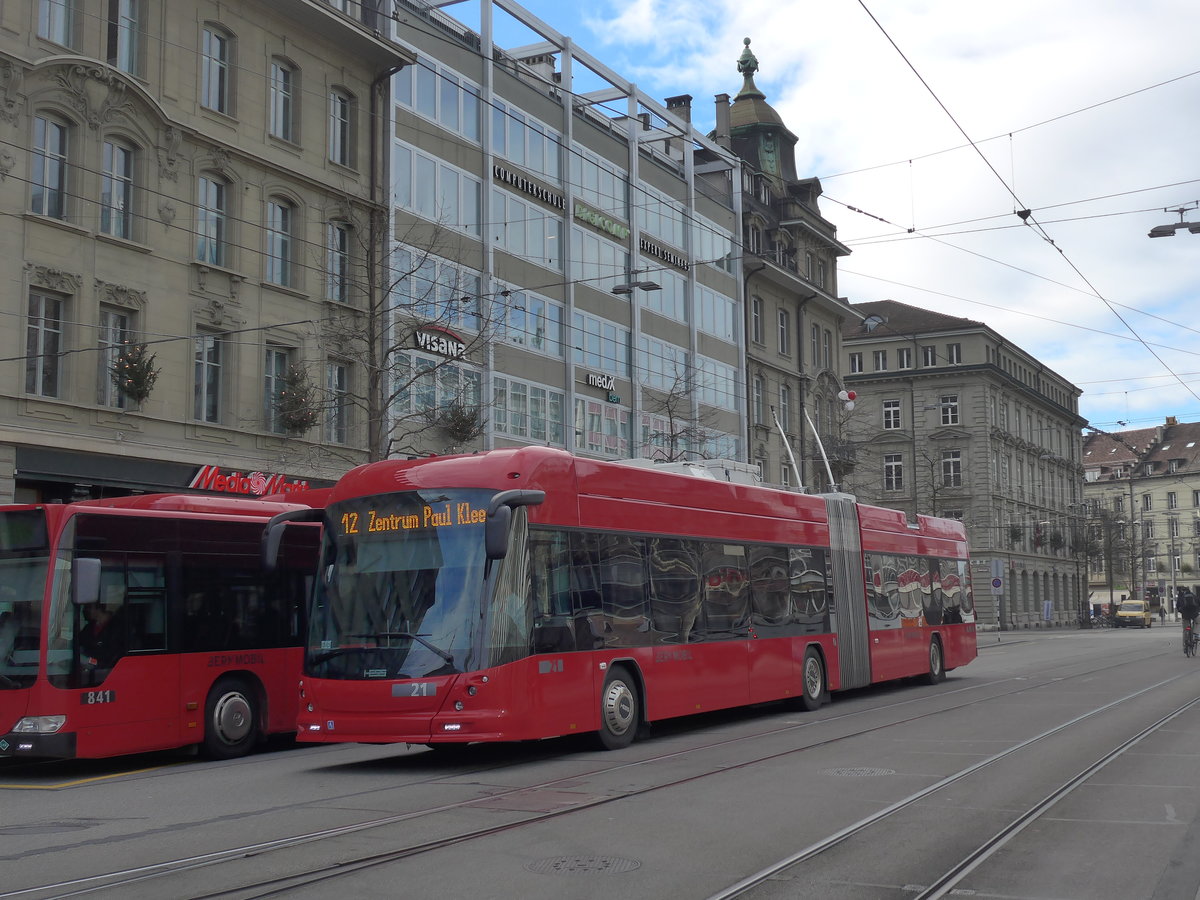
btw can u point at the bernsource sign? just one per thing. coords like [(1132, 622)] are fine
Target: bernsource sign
[(211, 478)]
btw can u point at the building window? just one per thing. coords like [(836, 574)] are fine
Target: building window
[(815, 345), (756, 322), (954, 354), (856, 363), (337, 240), (56, 21), (949, 407), (212, 216), (893, 472), (337, 388), (1148, 529), (281, 226), (785, 332), (43, 345), (123, 35), (207, 379), (757, 400), (879, 360), (929, 356), (827, 349), (274, 379), (49, 177), (116, 191), (785, 407), (1172, 500), (951, 468), (1173, 527), (216, 69), (341, 128), (904, 358), (785, 473), (113, 332), (1147, 502), (891, 414), (283, 92), (754, 242)]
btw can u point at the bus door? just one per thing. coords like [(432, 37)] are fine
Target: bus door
[(849, 591), (112, 642)]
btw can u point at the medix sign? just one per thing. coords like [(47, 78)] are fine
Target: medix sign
[(211, 478)]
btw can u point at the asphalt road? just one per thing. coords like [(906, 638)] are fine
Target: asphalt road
[(1057, 765)]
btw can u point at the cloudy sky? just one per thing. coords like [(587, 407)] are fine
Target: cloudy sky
[(937, 120)]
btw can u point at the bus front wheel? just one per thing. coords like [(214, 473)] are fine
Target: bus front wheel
[(230, 719), (618, 710), (813, 674)]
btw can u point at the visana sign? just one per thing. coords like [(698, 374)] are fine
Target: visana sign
[(442, 342)]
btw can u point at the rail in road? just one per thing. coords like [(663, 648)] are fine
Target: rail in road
[(316, 861)]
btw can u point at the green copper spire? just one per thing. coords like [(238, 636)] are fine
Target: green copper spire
[(747, 64)]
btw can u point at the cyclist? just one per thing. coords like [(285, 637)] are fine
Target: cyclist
[(1187, 607)]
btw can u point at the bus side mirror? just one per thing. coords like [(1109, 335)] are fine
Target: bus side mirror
[(85, 580), (499, 518), (495, 538), (273, 533)]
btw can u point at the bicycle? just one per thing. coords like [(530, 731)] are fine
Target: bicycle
[(1189, 639)]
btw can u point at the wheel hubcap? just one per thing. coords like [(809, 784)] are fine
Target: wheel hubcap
[(232, 718), (618, 707), (812, 678)]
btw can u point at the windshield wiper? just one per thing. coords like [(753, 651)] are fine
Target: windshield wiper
[(420, 639), (330, 654)]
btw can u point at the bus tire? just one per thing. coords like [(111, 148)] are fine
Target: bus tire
[(230, 719), (619, 710), (937, 663), (812, 681)]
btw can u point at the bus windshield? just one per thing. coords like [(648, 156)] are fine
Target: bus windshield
[(401, 583), (24, 562)]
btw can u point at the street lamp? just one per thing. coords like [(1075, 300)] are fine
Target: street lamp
[(634, 284), (1169, 230)]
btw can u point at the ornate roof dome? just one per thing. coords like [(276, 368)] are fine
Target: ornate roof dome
[(750, 106)]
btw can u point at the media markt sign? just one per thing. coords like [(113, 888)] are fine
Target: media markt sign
[(255, 484)]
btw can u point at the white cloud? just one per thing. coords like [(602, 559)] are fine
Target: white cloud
[(856, 107)]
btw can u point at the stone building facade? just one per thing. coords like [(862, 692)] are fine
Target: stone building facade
[(954, 420), (182, 178)]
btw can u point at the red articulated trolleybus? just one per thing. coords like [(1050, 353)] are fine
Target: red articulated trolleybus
[(527, 593), (148, 622)]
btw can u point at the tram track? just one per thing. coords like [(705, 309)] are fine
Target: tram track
[(127, 878)]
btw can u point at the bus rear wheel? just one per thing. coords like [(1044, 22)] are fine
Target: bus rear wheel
[(619, 713), (937, 665), (230, 719), (813, 676)]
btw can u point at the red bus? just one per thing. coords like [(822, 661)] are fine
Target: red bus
[(526, 593), (147, 623)]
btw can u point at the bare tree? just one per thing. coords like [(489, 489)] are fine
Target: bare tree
[(681, 434), (411, 327)]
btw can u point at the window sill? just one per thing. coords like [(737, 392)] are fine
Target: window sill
[(127, 243), (64, 224), (284, 289)]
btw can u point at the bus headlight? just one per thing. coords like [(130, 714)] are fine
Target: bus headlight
[(40, 724)]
